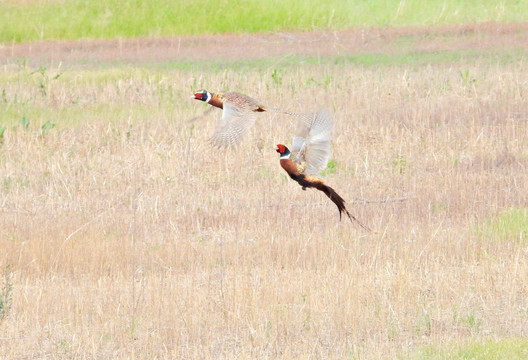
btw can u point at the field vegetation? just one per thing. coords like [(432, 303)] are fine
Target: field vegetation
[(80, 19), (125, 235)]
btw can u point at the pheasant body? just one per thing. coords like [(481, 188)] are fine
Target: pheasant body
[(311, 151), (238, 115)]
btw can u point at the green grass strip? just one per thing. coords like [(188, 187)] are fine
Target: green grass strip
[(511, 224), (75, 19), (509, 349)]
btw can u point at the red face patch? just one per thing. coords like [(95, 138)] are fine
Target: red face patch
[(198, 96), (281, 148)]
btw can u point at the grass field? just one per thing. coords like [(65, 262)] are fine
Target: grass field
[(76, 19), (124, 235)]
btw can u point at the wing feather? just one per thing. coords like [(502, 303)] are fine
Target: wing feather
[(313, 140), (234, 125)]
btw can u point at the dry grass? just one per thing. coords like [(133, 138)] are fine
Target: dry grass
[(129, 237)]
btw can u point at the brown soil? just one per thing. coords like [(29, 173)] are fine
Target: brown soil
[(254, 46)]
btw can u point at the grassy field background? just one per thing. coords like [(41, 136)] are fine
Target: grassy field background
[(76, 19), (125, 235)]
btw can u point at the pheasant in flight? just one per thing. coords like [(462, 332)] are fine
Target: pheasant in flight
[(310, 153), (238, 115)]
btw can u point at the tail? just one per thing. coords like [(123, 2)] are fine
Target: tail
[(280, 111), (340, 203)]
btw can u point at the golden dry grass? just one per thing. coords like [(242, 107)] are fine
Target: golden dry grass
[(129, 237)]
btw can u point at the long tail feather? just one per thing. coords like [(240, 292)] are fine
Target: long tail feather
[(280, 111), (340, 203)]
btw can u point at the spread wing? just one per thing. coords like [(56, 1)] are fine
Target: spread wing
[(313, 140), (234, 125)]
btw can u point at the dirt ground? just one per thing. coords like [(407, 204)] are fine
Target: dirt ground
[(254, 46)]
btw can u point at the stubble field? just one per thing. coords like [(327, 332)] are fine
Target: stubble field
[(125, 235)]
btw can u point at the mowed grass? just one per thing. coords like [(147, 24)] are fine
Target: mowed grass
[(76, 19), (125, 234)]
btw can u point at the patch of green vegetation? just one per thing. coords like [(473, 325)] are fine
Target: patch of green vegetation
[(76, 19), (25, 123), (44, 79), (473, 322), (276, 75), (43, 120), (399, 164), (6, 294), (466, 78), (269, 66), (46, 127), (8, 183), (330, 168), (412, 58), (511, 224), (508, 349), (432, 57), (324, 83), (2, 131)]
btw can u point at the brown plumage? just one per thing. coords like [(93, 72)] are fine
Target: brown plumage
[(311, 150), (238, 115)]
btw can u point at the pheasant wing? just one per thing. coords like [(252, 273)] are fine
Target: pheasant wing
[(234, 125), (304, 123), (313, 140)]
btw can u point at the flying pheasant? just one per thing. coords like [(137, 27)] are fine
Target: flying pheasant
[(311, 149), (238, 115)]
